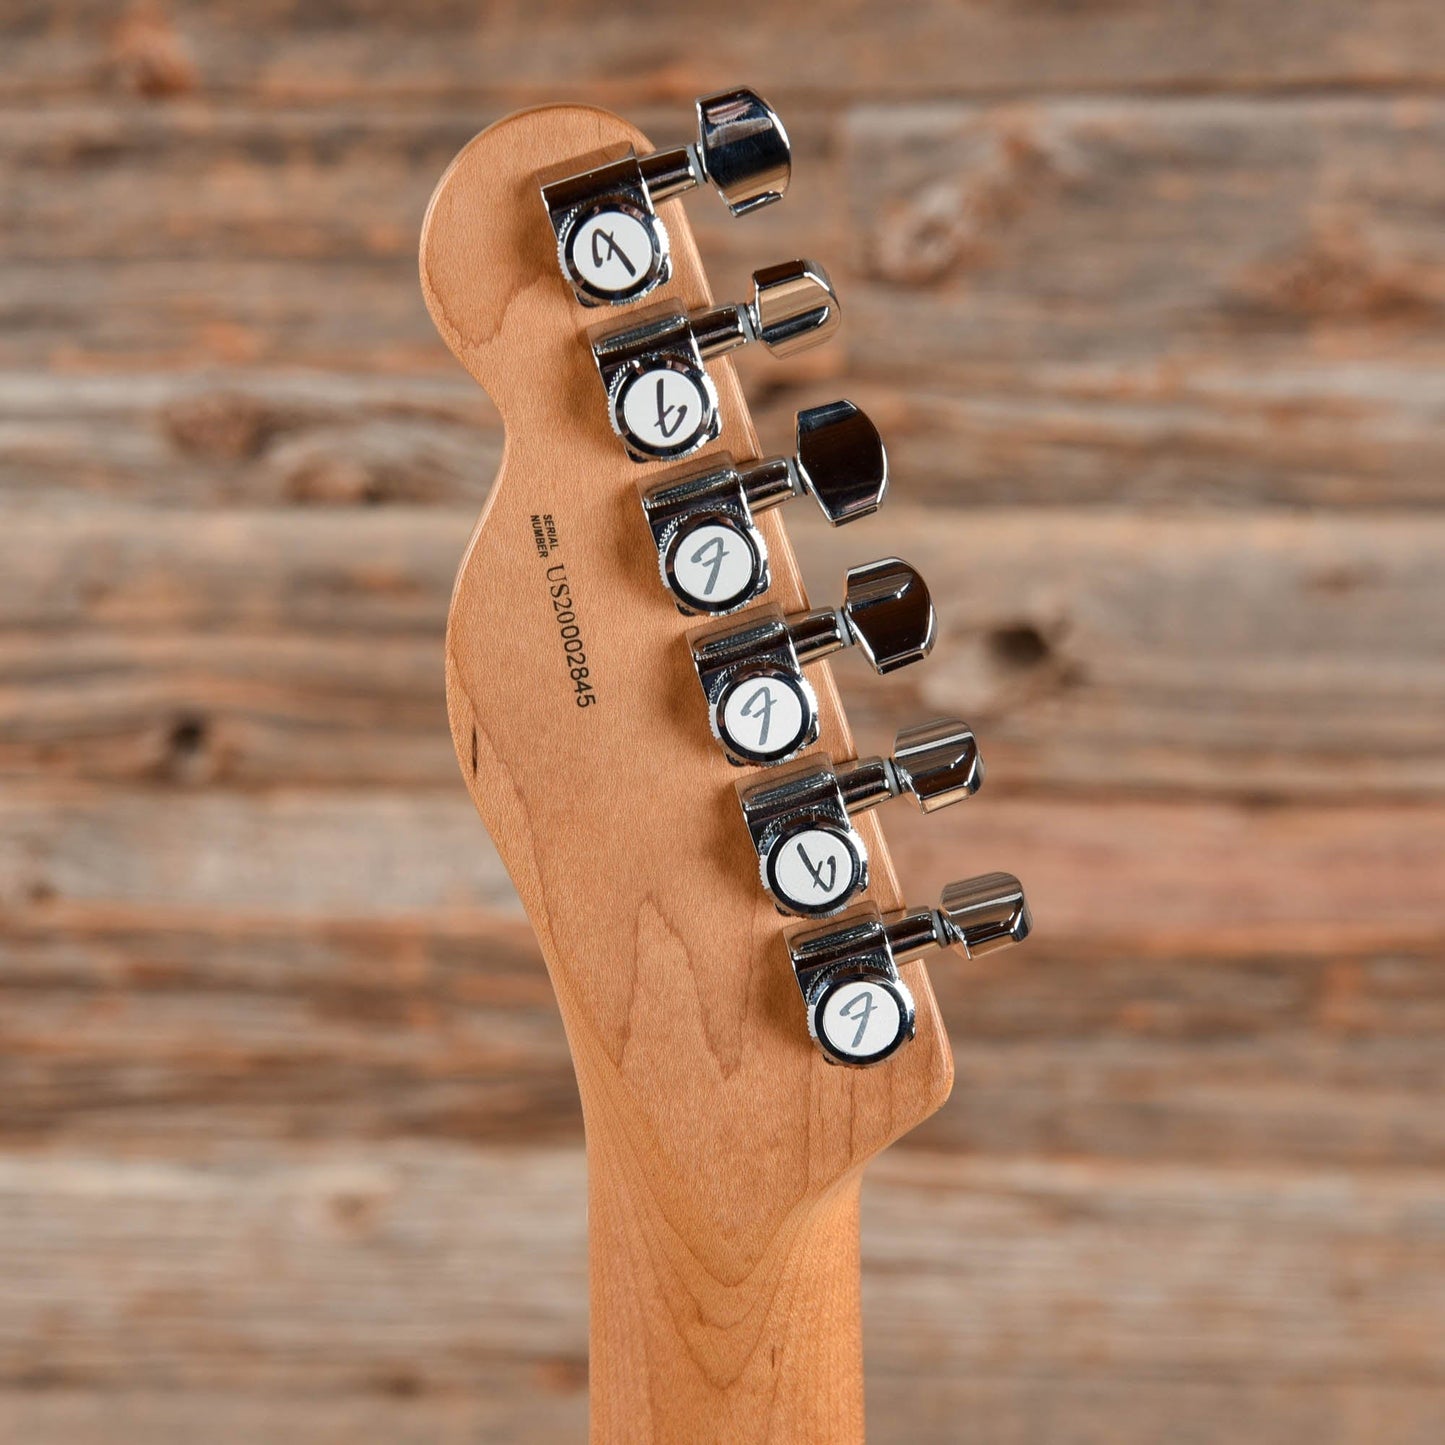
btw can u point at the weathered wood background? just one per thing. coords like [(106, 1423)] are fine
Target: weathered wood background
[(1149, 299)]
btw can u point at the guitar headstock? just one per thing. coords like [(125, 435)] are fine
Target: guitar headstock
[(581, 702)]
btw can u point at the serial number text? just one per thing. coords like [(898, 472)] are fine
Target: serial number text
[(574, 650)]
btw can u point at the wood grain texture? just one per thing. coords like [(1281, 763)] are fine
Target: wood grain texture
[(724, 1151), (1169, 395), (130, 1027), (456, 50), (1343, 1272), (1358, 435), (1209, 352), (1230, 870), (1274, 656)]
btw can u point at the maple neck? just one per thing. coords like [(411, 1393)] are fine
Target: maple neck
[(724, 1150), (715, 1339)]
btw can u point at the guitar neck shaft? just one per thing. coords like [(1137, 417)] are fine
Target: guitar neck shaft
[(715, 1341)]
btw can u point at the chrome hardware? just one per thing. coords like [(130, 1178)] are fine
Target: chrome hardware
[(659, 396), (938, 762), (611, 243), (711, 554), (810, 857), (743, 149), (859, 1009), (761, 707)]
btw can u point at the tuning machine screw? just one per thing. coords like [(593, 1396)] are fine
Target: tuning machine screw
[(611, 243), (659, 395), (711, 554), (811, 858), (761, 707), (859, 1009)]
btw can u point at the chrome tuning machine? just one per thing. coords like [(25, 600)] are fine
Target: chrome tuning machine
[(761, 707), (611, 243), (711, 554), (859, 1009), (811, 858), (660, 398)]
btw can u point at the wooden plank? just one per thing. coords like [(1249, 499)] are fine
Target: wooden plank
[(1141, 214), (1216, 299), (1100, 1407), (309, 707), (231, 238), (123, 1027), (1172, 872), (348, 315), (545, 1406), (257, 437), (1215, 630), (315, 1267), (1148, 358), (1225, 433), (374, 574), (1143, 247), (1366, 437), (1229, 1018), (246, 438), (1167, 874), (1266, 655), (290, 854), (1257, 1290), (117, 1031), (347, 182), (545, 1403), (431, 1277), (1077, 299), (205, 182), (1318, 1058), (316, 53)]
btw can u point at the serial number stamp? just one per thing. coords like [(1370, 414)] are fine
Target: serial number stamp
[(564, 611)]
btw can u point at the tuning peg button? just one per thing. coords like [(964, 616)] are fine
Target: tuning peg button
[(660, 398), (859, 1009), (938, 763), (978, 915), (611, 243), (841, 461), (710, 553), (743, 149), (811, 858), (761, 707), (888, 613)]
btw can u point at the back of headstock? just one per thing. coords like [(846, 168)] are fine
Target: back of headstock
[(724, 1148)]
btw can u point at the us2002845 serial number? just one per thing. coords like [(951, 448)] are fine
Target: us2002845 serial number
[(573, 648)]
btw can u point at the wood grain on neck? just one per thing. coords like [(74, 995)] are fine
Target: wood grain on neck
[(724, 1153)]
